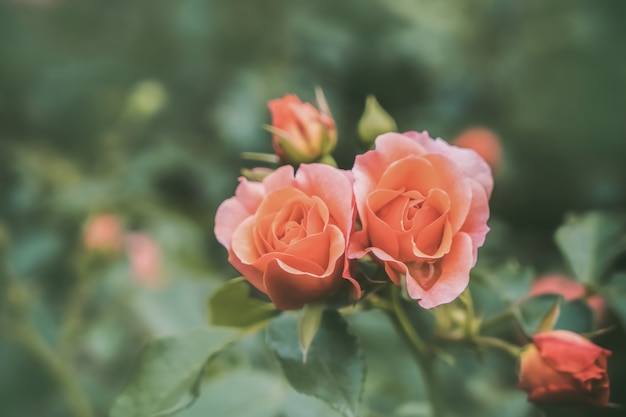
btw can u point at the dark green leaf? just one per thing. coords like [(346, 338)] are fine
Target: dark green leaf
[(335, 369), (536, 313), (168, 372), (615, 294), (549, 320), (533, 311), (576, 316), (510, 280), (231, 305), (590, 242)]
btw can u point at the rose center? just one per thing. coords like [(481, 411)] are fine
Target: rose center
[(288, 225), (412, 208)]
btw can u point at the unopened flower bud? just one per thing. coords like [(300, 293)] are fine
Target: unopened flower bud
[(561, 367), (374, 122), (301, 133)]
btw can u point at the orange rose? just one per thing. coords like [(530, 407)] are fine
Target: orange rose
[(288, 235), (564, 367), (302, 133), (484, 142), (423, 206), (570, 289)]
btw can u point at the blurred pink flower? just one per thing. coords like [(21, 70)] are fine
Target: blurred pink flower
[(484, 142), (571, 290), (103, 233), (144, 255)]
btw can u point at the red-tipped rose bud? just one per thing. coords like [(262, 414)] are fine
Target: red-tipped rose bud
[(561, 367), (301, 133)]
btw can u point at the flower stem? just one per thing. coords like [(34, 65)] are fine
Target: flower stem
[(424, 357), (510, 348), (497, 320), (16, 323), (26, 335)]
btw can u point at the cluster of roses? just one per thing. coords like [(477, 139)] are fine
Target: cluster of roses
[(416, 206)]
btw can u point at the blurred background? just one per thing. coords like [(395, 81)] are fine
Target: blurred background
[(141, 109)]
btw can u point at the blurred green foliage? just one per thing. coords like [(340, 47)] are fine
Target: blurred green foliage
[(141, 108)]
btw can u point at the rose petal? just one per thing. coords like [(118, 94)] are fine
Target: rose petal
[(566, 351), (290, 290), (454, 277), (330, 185), (472, 164), (230, 214)]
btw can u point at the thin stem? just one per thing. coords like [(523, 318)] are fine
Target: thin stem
[(415, 340), (24, 333), (510, 348), (74, 315), (497, 320), (424, 357)]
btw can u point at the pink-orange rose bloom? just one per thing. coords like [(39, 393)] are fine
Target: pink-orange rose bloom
[(301, 133), (423, 205), (288, 235), (564, 367)]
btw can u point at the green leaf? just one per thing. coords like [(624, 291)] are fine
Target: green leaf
[(615, 294), (168, 372), (231, 305), (576, 316), (308, 325), (240, 394), (510, 280), (535, 311), (548, 321), (590, 242), (335, 369)]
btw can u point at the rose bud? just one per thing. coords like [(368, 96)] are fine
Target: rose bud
[(561, 367), (374, 122), (423, 205), (484, 142), (301, 133), (287, 235), (570, 290), (103, 233)]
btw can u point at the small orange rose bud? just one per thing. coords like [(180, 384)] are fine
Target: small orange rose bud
[(103, 233), (484, 142), (561, 367), (374, 122), (301, 133)]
